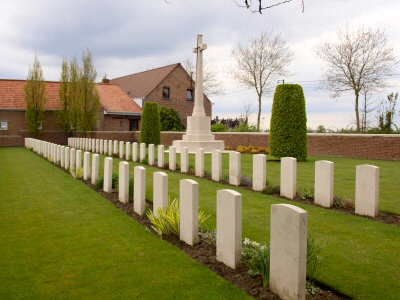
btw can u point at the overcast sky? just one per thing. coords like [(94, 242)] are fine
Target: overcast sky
[(127, 37)]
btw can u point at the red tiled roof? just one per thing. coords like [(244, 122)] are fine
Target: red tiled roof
[(12, 94), (112, 98), (141, 84)]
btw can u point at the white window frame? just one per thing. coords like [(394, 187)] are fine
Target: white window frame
[(3, 125), (39, 125)]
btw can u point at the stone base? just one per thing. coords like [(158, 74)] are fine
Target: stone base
[(207, 146)]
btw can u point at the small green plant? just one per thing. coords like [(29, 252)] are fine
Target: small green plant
[(131, 182), (225, 178), (314, 262), (115, 180), (246, 181), (78, 173), (167, 220), (257, 257), (208, 235), (219, 127), (100, 182), (51, 159), (271, 190), (145, 161), (305, 194)]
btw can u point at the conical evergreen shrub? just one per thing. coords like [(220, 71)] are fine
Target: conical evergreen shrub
[(288, 131), (150, 132)]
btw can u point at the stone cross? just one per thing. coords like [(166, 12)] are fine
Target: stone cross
[(198, 96)]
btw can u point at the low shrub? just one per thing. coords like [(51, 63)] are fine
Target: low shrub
[(305, 194), (218, 128), (100, 182), (167, 220), (246, 181), (78, 173), (115, 180), (314, 258), (257, 257)]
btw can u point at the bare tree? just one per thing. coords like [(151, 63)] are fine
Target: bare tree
[(387, 113), (358, 61), (259, 8), (260, 63), (211, 84), (248, 111)]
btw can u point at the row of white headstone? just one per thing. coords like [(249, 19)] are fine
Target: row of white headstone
[(367, 176), (288, 257)]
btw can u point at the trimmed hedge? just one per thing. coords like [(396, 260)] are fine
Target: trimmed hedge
[(150, 132), (288, 136), (170, 119)]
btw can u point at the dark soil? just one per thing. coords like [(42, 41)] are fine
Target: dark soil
[(205, 253)]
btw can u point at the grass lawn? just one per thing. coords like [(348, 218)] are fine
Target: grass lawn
[(361, 257), (344, 173), (61, 240)]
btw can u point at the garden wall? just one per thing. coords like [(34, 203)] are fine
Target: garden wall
[(368, 146)]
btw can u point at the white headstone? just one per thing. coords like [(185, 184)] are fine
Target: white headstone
[(67, 155), (189, 211), (367, 190), (78, 159), (151, 154), (139, 190), (160, 158), (172, 158), (288, 177), (123, 185), (108, 170), (323, 190), (288, 253), (72, 159), (134, 152), (95, 168), (259, 172), (216, 165), (235, 168), (229, 227), (160, 191), (199, 162), (86, 165), (142, 151), (121, 149), (127, 150), (184, 160)]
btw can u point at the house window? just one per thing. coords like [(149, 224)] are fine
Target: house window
[(3, 125), (39, 125), (133, 125), (165, 93), (190, 95)]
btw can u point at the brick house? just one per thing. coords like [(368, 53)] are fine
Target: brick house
[(117, 113), (169, 86)]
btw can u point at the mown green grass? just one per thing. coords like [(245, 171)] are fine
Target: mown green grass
[(61, 240), (344, 176), (361, 257)]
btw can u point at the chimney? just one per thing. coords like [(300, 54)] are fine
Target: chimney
[(105, 80)]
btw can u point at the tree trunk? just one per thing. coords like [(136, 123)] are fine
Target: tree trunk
[(357, 113), (259, 112)]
